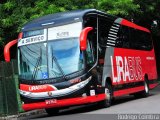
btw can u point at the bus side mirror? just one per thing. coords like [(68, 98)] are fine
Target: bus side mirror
[(7, 50), (8, 46), (83, 38)]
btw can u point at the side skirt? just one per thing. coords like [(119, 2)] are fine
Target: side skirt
[(130, 88)]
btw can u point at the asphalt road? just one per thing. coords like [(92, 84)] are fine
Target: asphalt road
[(123, 105)]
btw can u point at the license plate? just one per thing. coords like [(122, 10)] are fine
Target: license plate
[(50, 101)]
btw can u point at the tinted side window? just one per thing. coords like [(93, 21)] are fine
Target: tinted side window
[(140, 40), (90, 53), (123, 37), (104, 26), (91, 21), (133, 39)]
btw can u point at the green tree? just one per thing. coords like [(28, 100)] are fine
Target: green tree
[(148, 12), (124, 8)]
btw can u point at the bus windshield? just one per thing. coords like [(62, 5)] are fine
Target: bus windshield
[(51, 59)]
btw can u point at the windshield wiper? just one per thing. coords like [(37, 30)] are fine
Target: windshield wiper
[(37, 64), (36, 69), (59, 67)]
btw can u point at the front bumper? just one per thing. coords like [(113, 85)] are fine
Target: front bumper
[(52, 103)]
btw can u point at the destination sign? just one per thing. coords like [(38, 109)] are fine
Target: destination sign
[(33, 39), (65, 31), (33, 33)]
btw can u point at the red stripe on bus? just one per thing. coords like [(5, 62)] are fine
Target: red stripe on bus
[(130, 24), (64, 102), (128, 91), (151, 86)]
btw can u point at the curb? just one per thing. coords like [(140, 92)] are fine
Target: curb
[(24, 115)]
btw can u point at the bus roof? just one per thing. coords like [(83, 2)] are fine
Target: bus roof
[(60, 18)]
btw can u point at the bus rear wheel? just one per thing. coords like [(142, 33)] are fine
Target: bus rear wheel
[(145, 92), (52, 111), (109, 95)]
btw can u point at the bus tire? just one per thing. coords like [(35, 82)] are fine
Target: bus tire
[(145, 92), (109, 95), (52, 111)]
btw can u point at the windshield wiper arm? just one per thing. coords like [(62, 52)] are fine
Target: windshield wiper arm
[(36, 66), (56, 62), (59, 67)]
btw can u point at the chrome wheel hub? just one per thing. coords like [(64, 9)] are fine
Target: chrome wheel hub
[(146, 87), (107, 93)]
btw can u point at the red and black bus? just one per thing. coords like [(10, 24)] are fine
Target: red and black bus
[(81, 57)]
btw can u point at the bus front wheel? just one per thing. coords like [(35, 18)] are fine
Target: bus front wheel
[(109, 95), (52, 111)]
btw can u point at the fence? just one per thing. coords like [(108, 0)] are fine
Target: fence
[(10, 103)]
